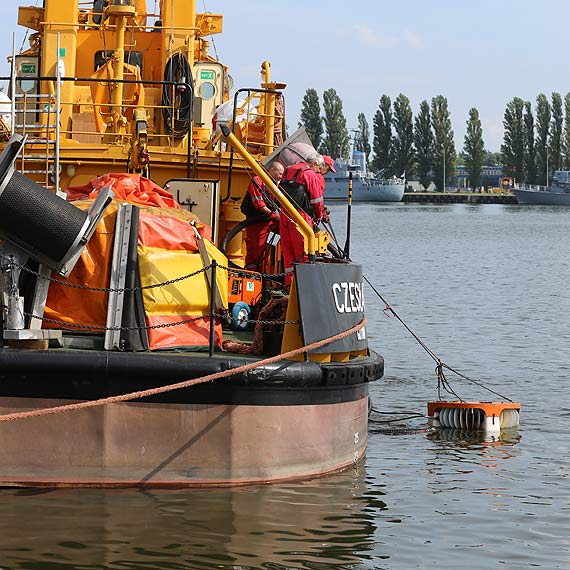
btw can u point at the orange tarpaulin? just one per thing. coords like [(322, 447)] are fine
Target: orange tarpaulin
[(131, 188), (80, 306), (167, 249)]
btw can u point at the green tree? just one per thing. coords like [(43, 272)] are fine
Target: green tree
[(492, 158), (382, 140), (555, 138), (529, 147), (424, 144), (362, 140), (311, 117), (336, 142), (566, 134), (512, 149), (445, 155), (402, 120), (542, 130), (474, 149)]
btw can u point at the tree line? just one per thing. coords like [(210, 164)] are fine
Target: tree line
[(421, 146), (535, 145)]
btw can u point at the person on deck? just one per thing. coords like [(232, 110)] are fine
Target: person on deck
[(262, 213), (304, 187), (329, 164)]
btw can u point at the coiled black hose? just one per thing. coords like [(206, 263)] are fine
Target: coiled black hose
[(177, 96)]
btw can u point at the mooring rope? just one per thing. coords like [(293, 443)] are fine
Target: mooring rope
[(178, 385), (440, 365)]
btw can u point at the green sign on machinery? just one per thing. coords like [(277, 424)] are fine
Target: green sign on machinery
[(28, 68)]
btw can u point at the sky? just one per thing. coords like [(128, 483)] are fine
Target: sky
[(477, 53)]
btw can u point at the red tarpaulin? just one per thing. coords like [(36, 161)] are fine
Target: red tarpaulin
[(131, 188)]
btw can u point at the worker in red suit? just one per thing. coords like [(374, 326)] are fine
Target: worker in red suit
[(326, 167), (328, 164), (304, 186), (262, 214)]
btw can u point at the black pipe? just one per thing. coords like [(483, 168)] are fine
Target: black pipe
[(348, 218), (233, 232)]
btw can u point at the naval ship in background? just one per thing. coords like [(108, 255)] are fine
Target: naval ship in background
[(365, 186), (556, 194)]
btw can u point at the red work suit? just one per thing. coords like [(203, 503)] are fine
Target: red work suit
[(308, 199), (257, 232)]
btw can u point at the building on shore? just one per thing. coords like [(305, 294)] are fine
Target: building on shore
[(490, 177)]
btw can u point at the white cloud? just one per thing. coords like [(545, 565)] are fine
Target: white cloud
[(365, 35), (412, 39)]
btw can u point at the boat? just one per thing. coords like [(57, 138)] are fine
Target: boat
[(555, 194), (365, 186), (135, 350)]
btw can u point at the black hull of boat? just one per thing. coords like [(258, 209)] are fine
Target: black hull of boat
[(90, 375)]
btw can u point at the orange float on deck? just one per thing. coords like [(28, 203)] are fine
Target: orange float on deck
[(487, 416)]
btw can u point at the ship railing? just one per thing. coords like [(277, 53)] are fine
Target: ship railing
[(257, 133), (390, 181), (40, 115), (533, 187), (90, 20), (262, 130)]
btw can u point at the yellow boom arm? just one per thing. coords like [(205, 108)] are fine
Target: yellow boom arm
[(305, 229)]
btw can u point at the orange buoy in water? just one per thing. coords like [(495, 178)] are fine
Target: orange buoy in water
[(487, 416)]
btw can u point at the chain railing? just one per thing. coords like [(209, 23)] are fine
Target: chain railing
[(8, 263)]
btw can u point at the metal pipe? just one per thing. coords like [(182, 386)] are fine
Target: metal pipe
[(267, 107), (348, 218), (213, 287), (13, 87), (304, 228), (118, 60), (57, 115)]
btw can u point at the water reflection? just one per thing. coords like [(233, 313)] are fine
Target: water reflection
[(475, 449), (320, 524), (474, 438)]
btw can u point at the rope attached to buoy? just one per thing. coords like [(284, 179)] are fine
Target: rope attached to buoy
[(440, 365)]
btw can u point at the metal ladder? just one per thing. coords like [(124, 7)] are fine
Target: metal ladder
[(37, 115), (40, 144)]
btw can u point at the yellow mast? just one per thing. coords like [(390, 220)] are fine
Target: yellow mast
[(178, 28), (58, 19), (119, 15)]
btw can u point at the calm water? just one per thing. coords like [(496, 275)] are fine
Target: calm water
[(487, 287)]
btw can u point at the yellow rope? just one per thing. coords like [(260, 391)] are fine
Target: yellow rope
[(178, 385)]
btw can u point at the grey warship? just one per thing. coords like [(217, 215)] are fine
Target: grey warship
[(365, 186), (556, 194)]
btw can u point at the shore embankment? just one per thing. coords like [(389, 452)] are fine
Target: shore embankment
[(459, 198)]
